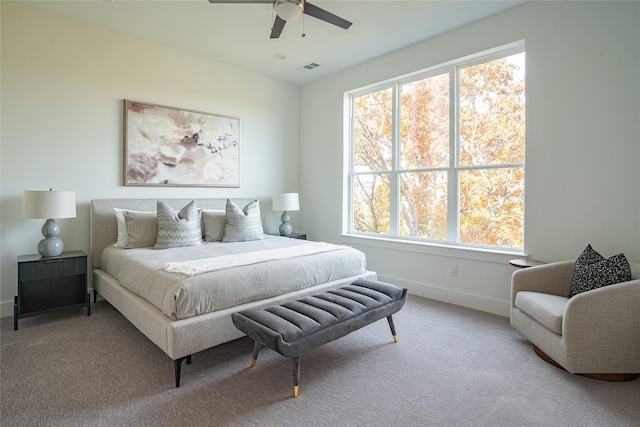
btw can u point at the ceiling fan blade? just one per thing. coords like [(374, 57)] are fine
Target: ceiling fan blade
[(278, 25), (322, 14), (240, 1)]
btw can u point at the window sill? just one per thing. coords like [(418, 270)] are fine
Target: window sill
[(462, 252)]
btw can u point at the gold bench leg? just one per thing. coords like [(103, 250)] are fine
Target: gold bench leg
[(393, 328), (296, 376), (254, 356)]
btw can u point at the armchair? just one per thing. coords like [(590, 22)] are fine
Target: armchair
[(595, 333)]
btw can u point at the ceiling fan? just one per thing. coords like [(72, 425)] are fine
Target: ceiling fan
[(288, 10)]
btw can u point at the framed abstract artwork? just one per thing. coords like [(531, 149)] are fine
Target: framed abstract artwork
[(165, 146)]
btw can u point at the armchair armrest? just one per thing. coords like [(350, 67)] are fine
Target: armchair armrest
[(553, 278), (604, 324)]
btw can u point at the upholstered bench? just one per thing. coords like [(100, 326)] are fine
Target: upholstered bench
[(296, 327)]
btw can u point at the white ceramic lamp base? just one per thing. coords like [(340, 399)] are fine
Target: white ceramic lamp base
[(285, 227), (51, 245)]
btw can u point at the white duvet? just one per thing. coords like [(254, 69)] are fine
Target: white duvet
[(244, 271), (206, 265)]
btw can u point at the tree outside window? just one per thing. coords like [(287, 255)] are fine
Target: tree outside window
[(415, 176)]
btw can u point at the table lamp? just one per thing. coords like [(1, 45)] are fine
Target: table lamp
[(286, 202), (49, 205)]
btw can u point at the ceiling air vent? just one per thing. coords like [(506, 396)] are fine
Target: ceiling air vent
[(308, 67)]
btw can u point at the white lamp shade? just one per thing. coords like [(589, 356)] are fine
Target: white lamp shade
[(288, 9), (286, 202), (49, 204)]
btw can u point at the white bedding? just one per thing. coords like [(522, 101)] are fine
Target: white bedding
[(206, 265), (178, 296)]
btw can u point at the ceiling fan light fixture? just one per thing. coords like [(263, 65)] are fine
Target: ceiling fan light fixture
[(288, 10)]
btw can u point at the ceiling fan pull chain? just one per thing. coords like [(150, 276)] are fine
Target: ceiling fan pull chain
[(303, 34)]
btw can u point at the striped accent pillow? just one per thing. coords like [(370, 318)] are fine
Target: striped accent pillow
[(178, 229), (242, 224)]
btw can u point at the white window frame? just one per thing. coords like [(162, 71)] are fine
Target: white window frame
[(453, 169)]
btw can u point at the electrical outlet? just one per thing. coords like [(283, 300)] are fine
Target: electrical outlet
[(454, 271)]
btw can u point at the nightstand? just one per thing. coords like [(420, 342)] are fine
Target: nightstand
[(50, 283), (297, 236), (300, 236)]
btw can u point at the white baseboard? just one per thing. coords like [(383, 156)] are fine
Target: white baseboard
[(464, 299), (6, 309)]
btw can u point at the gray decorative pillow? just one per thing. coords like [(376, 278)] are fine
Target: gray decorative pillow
[(123, 236), (178, 229), (593, 271), (213, 225), (141, 228), (243, 224)]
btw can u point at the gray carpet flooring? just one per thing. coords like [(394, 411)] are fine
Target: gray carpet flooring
[(453, 366)]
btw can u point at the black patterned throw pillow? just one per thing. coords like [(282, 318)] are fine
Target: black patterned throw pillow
[(593, 271)]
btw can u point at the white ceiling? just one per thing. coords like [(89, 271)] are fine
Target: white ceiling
[(238, 34)]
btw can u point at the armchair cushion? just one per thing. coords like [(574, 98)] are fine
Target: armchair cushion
[(593, 271), (546, 309)]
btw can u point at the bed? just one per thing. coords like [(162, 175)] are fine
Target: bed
[(140, 284)]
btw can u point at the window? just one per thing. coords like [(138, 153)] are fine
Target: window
[(439, 156)]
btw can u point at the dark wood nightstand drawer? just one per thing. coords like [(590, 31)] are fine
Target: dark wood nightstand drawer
[(50, 268)]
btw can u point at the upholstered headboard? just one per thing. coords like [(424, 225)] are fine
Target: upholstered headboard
[(103, 227)]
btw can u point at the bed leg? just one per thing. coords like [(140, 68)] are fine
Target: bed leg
[(178, 366), (95, 296)]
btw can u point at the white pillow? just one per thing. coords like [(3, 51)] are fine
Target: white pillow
[(123, 236), (243, 224), (176, 229), (213, 224)]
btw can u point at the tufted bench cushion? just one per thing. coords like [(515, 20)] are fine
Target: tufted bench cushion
[(296, 327)]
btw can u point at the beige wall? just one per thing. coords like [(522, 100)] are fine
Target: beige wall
[(583, 145), (62, 88)]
